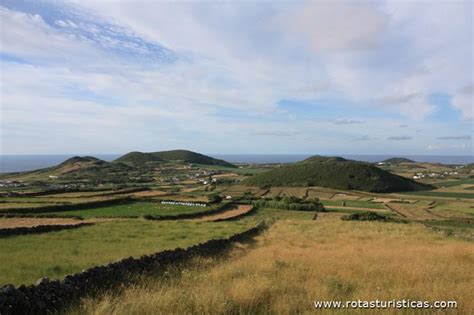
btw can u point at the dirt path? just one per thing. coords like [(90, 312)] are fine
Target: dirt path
[(228, 214), (10, 223)]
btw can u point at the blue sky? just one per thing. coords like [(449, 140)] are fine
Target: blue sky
[(322, 77)]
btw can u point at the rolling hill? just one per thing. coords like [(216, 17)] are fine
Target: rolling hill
[(136, 157), (344, 175), (398, 160), (173, 155), (84, 166), (320, 158)]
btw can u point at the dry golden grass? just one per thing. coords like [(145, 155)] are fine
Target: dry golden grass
[(299, 192), (150, 193), (228, 214), (9, 223), (296, 262), (412, 212), (190, 198), (342, 196)]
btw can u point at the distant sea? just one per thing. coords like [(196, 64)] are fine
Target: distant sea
[(18, 163)]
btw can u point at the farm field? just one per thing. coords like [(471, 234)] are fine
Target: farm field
[(299, 261), (135, 209), (354, 203), (30, 222), (57, 254), (258, 277), (443, 194)]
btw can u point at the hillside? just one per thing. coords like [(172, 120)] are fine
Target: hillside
[(136, 157), (190, 157), (81, 162), (398, 160), (320, 158), (85, 166), (337, 175), (169, 156)]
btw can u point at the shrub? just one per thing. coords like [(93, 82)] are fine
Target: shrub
[(369, 216), (291, 203)]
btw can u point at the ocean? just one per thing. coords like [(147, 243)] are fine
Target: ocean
[(18, 163)]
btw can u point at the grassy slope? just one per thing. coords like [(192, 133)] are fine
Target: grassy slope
[(133, 209), (137, 158), (398, 160), (338, 175), (298, 261), (190, 157), (27, 258), (442, 194)]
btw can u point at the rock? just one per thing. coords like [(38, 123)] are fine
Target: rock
[(43, 280), (6, 289)]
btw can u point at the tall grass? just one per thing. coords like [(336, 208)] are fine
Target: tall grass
[(297, 262)]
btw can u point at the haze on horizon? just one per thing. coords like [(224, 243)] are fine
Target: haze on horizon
[(346, 77)]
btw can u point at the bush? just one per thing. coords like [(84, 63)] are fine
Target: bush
[(215, 198), (291, 203), (369, 216)]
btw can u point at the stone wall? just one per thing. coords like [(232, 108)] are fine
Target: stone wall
[(40, 229), (51, 296)]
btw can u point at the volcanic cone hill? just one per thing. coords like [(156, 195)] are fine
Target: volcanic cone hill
[(169, 156), (336, 173), (398, 160)]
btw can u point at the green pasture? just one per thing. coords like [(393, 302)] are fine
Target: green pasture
[(136, 209)]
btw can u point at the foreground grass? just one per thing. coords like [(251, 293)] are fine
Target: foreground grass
[(133, 209), (24, 259), (299, 261)]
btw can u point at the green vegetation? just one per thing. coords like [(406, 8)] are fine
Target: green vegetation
[(136, 209), (442, 194), (137, 158), (291, 203), (173, 155), (369, 216), (320, 158), (27, 258), (398, 160), (353, 203), (453, 227), (337, 175), (451, 183)]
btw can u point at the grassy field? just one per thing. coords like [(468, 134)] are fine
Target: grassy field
[(133, 209), (354, 203), (299, 261), (27, 258), (455, 207), (450, 183), (444, 194)]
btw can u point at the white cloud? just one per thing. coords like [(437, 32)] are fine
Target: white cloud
[(334, 26), (28, 36), (234, 58), (464, 100)]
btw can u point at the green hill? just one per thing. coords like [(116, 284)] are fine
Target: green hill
[(82, 161), (86, 166), (398, 160), (190, 157), (336, 175), (136, 157), (320, 158), (170, 156)]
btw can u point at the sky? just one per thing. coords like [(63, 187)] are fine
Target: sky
[(237, 77)]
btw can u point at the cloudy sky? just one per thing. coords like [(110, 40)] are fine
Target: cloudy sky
[(327, 77)]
